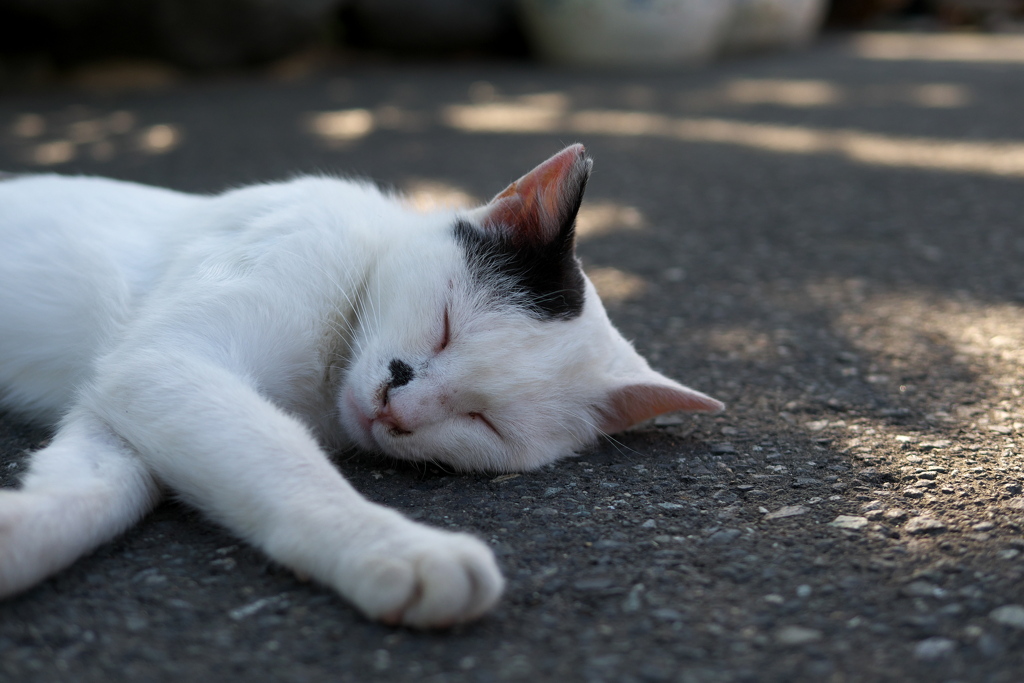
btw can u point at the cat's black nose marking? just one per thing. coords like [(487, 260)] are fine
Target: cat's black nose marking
[(401, 373)]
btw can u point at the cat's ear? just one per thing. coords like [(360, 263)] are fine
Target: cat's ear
[(651, 395), (540, 208)]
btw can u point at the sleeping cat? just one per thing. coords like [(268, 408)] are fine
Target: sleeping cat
[(218, 347)]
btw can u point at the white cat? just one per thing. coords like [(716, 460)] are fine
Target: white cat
[(218, 346)]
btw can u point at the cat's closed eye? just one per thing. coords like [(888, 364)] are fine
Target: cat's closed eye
[(446, 333)]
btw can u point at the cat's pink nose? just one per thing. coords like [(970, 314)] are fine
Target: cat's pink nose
[(386, 416)]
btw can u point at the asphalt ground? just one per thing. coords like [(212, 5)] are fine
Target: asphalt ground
[(831, 242)]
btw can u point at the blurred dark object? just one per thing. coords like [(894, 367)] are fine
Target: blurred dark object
[(861, 12), (989, 15), (992, 15), (191, 33), (40, 35), (434, 26)]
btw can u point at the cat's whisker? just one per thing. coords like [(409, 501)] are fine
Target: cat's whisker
[(597, 430)]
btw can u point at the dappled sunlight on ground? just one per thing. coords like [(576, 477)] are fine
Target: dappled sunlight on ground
[(991, 158), (602, 217), (432, 195), (615, 285), (946, 350), (539, 113), (816, 93), (344, 125), (554, 112), (956, 361), (940, 47), (79, 133)]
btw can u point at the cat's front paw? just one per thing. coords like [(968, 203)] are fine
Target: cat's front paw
[(426, 578)]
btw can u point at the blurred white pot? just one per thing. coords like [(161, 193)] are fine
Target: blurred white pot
[(770, 24), (626, 32)]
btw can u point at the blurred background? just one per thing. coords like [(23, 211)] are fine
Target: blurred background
[(156, 40)]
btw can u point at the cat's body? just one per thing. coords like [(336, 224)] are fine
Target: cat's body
[(216, 345)]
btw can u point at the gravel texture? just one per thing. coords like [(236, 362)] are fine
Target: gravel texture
[(853, 293)]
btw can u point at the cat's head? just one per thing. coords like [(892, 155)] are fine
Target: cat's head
[(484, 346)]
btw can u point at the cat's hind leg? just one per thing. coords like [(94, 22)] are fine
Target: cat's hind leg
[(84, 488)]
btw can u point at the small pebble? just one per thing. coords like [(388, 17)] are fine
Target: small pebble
[(1008, 615), (797, 635), (923, 589), (924, 525), (723, 536), (787, 511), (932, 649), (849, 522), (895, 515)]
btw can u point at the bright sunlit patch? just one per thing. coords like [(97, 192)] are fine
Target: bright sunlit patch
[(603, 217), (431, 195), (986, 339), (789, 93), (940, 47), (540, 113), (939, 95), (616, 285), (64, 138), (55, 152), (159, 139), (802, 94), (343, 125)]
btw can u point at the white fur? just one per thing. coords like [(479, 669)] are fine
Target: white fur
[(216, 345)]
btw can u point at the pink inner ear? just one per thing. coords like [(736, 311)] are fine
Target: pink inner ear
[(635, 403), (531, 209)]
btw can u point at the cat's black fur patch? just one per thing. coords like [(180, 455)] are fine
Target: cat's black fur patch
[(544, 279)]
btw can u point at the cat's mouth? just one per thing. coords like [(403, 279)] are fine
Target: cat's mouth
[(383, 417), (364, 421)]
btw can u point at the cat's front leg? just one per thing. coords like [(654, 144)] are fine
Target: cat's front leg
[(402, 572), (208, 434)]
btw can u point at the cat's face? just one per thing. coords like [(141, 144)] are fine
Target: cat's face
[(488, 349)]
